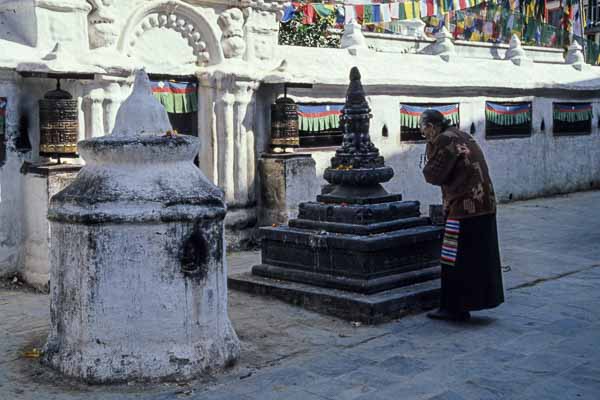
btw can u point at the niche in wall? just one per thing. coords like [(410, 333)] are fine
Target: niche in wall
[(572, 119), (319, 124), (507, 119), (410, 113)]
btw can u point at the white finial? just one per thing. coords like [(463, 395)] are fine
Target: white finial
[(141, 113), (443, 46), (575, 56), (515, 52), (352, 38)]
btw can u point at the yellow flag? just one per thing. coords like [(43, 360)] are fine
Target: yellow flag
[(408, 9)]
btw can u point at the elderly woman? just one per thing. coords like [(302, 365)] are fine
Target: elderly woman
[(471, 274)]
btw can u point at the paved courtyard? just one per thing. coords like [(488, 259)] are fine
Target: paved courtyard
[(543, 343)]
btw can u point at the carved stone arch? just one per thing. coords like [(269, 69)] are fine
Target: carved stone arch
[(189, 22)]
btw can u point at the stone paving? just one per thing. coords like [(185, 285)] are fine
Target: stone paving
[(543, 343)]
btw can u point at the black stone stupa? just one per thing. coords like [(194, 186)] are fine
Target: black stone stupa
[(358, 252)]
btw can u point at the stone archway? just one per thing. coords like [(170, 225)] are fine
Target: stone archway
[(179, 17)]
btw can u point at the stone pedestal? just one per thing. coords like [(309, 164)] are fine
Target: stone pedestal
[(42, 181), (138, 286), (286, 180), (358, 252)]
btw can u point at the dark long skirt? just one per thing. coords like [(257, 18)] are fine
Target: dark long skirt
[(471, 271)]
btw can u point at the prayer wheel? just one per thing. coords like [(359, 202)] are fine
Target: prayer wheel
[(59, 124), (284, 123)]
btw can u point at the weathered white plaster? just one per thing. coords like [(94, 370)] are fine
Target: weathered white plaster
[(12, 206), (138, 270)]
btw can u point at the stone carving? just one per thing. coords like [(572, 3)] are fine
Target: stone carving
[(102, 30), (231, 23), (443, 46), (352, 38), (575, 56), (190, 23), (515, 52)]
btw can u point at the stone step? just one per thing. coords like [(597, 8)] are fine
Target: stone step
[(367, 309), (356, 229), (351, 284)]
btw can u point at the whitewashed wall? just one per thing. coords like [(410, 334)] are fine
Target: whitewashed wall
[(11, 194), (539, 165)]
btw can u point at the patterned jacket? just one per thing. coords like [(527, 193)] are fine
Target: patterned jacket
[(456, 163)]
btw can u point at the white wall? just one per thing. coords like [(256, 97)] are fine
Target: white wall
[(539, 165)]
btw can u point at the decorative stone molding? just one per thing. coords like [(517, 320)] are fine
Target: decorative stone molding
[(261, 32), (231, 23), (101, 20), (515, 53), (191, 24), (231, 122), (64, 5)]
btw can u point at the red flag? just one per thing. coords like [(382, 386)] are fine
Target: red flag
[(360, 13), (309, 14)]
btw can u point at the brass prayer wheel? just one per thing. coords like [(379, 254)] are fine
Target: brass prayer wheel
[(284, 123), (59, 124)]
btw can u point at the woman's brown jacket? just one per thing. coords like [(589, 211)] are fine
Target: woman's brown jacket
[(456, 163)]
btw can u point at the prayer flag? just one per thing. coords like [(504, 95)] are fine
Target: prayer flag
[(359, 13), (309, 14), (577, 21), (368, 14), (288, 13), (376, 13), (385, 13), (395, 10), (408, 10), (322, 10), (340, 14), (349, 14)]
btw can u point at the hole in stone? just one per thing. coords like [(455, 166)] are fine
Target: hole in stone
[(510, 196), (384, 131)]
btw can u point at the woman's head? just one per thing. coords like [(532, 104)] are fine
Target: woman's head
[(432, 123)]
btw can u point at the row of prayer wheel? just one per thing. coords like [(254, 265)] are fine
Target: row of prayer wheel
[(59, 124)]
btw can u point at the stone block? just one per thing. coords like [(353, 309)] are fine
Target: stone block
[(287, 179), (42, 181)]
